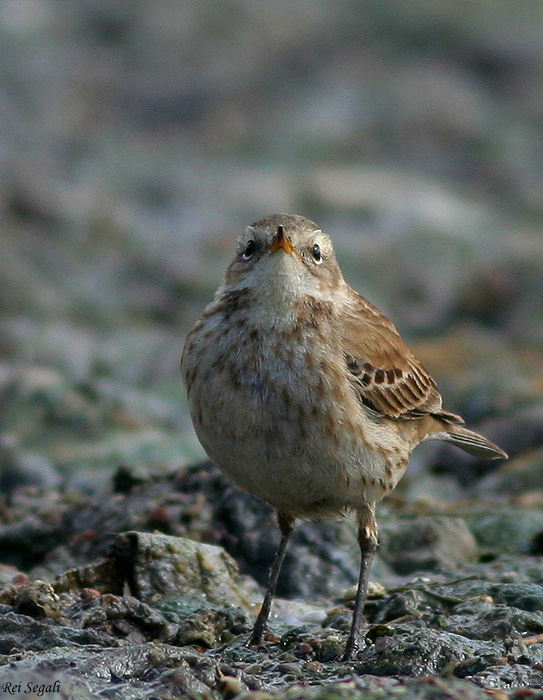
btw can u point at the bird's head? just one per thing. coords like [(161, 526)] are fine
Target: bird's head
[(287, 254)]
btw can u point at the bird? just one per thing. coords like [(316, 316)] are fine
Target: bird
[(306, 396)]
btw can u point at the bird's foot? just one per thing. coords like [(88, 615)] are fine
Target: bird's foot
[(256, 640), (351, 650), (259, 638), (350, 653), (255, 643)]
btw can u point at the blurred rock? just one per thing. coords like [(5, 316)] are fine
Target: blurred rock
[(518, 477), (112, 243), (426, 544), (508, 530), (19, 468), (519, 434)]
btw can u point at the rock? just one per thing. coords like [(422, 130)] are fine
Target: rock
[(159, 566), (322, 558), (426, 543), (524, 596), (418, 653), (142, 670), (510, 676), (9, 574), (518, 476), (20, 634), (508, 530), (19, 467), (519, 433), (204, 625), (478, 619), (462, 626)]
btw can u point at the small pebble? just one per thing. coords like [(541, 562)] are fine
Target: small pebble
[(350, 594), (509, 577), (227, 670), (289, 668), (313, 666), (256, 695), (90, 593), (331, 648), (230, 686), (375, 590), (253, 668)]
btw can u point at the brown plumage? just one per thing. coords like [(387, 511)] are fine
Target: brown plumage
[(305, 394), (392, 382)]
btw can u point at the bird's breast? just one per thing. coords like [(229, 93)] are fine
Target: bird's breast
[(274, 409)]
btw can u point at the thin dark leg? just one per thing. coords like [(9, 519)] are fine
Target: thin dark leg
[(286, 525), (367, 539)]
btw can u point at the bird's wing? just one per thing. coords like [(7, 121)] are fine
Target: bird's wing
[(386, 375)]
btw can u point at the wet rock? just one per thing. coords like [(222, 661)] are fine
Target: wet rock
[(21, 633), (525, 596), (207, 627), (125, 618), (73, 529), (89, 424), (156, 566), (135, 671), (36, 599), (193, 586), (467, 626), (490, 622), (510, 676), (418, 653), (26, 540), (399, 605), (322, 558), (330, 648), (9, 574), (107, 619)]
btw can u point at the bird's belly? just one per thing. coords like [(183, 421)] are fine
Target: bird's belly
[(301, 453)]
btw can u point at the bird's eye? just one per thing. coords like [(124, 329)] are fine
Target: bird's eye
[(249, 250), (316, 253)]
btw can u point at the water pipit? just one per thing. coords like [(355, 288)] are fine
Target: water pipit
[(305, 394)]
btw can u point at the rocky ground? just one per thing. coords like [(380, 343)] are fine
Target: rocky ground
[(137, 139), (119, 597)]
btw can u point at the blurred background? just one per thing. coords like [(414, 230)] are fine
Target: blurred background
[(137, 138)]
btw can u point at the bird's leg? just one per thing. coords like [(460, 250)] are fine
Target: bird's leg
[(367, 539), (286, 525)]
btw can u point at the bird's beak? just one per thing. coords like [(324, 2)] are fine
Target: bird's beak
[(281, 240)]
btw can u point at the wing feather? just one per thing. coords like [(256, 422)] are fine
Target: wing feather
[(386, 375)]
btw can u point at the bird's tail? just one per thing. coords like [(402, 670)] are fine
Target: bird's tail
[(471, 442)]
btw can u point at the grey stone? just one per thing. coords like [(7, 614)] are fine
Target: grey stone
[(426, 543)]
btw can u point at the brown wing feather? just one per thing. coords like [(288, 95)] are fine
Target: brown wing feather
[(387, 376)]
